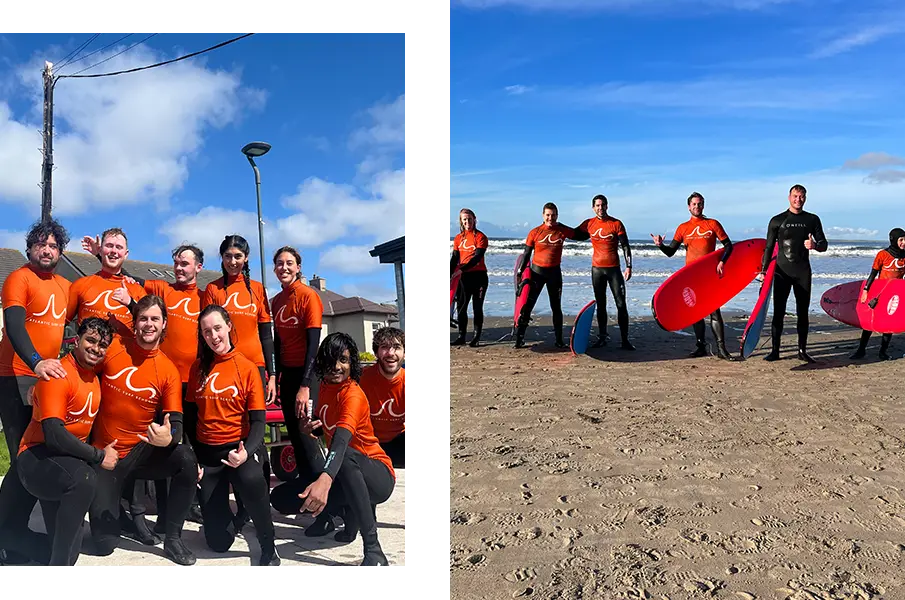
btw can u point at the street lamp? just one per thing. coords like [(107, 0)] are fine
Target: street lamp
[(252, 150)]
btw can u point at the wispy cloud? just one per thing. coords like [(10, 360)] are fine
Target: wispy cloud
[(619, 5), (862, 37), (719, 95), (885, 176), (859, 233), (872, 160), (517, 90)]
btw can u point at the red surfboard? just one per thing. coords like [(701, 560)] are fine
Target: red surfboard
[(695, 290), (521, 299), (883, 312), (454, 286)]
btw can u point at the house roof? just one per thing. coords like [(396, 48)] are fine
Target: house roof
[(10, 260), (89, 265), (390, 252)]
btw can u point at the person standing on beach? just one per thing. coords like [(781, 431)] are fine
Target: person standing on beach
[(889, 264), (606, 233), (468, 258), (796, 232), (546, 242), (700, 234)]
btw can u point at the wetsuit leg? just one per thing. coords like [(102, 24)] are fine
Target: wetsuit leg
[(617, 287), (290, 382), (464, 298), (219, 531), (247, 480), (802, 287), (65, 485), (599, 282), (19, 541), (478, 283), (535, 286), (554, 293), (782, 286), (104, 512), (718, 327), (395, 449), (884, 346), (177, 463), (699, 334)]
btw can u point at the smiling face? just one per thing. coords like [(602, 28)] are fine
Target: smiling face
[(91, 348), (390, 356), (696, 207), (467, 221), (234, 261), (215, 331), (114, 250), (901, 243), (149, 327), (600, 208), (286, 268), (186, 267), (797, 198), (341, 370), (44, 256), (550, 217)]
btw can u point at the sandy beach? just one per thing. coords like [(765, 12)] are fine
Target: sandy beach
[(647, 474)]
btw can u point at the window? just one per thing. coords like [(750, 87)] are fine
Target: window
[(171, 274), (375, 325), (156, 273)]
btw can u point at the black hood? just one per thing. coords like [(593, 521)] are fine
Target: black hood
[(894, 236)]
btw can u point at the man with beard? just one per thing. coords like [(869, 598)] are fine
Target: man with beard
[(138, 381), (34, 309), (183, 303), (796, 232), (100, 295), (384, 385)]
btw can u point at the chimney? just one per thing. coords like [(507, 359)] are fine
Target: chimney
[(318, 283), (303, 279)]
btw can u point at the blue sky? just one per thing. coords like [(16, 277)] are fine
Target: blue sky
[(158, 152), (647, 100)]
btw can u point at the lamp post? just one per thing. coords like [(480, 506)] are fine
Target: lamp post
[(252, 150)]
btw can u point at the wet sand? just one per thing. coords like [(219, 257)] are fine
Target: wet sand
[(647, 474)]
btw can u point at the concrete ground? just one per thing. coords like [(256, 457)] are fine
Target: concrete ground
[(292, 545)]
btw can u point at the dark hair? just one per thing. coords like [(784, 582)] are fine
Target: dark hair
[(102, 327), (114, 231), (41, 230), (551, 206), (239, 242), (331, 349), (294, 253), (695, 195), (599, 197), (144, 304), (204, 351), (798, 188), (387, 334), (199, 254)]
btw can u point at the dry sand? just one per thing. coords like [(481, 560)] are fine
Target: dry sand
[(650, 475)]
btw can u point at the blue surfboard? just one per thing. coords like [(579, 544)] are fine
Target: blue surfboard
[(581, 331), (755, 325)]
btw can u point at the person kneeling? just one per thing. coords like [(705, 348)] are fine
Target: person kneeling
[(357, 474)]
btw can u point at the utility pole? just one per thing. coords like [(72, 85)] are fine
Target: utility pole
[(47, 168)]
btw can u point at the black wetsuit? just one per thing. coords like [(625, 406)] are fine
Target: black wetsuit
[(472, 289), (603, 277), (540, 277), (793, 268)]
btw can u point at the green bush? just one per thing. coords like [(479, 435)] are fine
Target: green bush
[(366, 357), (4, 455)]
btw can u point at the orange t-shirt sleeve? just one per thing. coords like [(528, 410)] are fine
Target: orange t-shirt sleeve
[(720, 232), (314, 312), (15, 290), (584, 225), (137, 292), (72, 307), (255, 398), (481, 241), (209, 296), (529, 241), (52, 399), (679, 235), (172, 390), (263, 305), (155, 287), (354, 408), (879, 260), (620, 229)]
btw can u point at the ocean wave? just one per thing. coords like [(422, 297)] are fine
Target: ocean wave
[(662, 275)]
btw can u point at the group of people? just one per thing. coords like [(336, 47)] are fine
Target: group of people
[(794, 232), (170, 383)]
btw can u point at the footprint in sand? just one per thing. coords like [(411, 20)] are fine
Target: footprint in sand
[(521, 574), (466, 518)]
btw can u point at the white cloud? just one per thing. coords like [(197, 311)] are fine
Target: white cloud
[(862, 37), (208, 227), (885, 176), (119, 140), (349, 259), (387, 127), (13, 239), (374, 292), (517, 90), (319, 142), (872, 160), (329, 211), (858, 233)]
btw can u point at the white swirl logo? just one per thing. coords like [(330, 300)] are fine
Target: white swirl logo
[(52, 309), (464, 245), (894, 265), (689, 297), (548, 239), (388, 406), (697, 231), (234, 298), (184, 304), (599, 234), (130, 371), (322, 413), (893, 305), (106, 296), (282, 319), (86, 408), (211, 379)]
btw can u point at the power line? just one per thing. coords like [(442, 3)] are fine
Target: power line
[(77, 50), (160, 64), (76, 74), (72, 62)]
